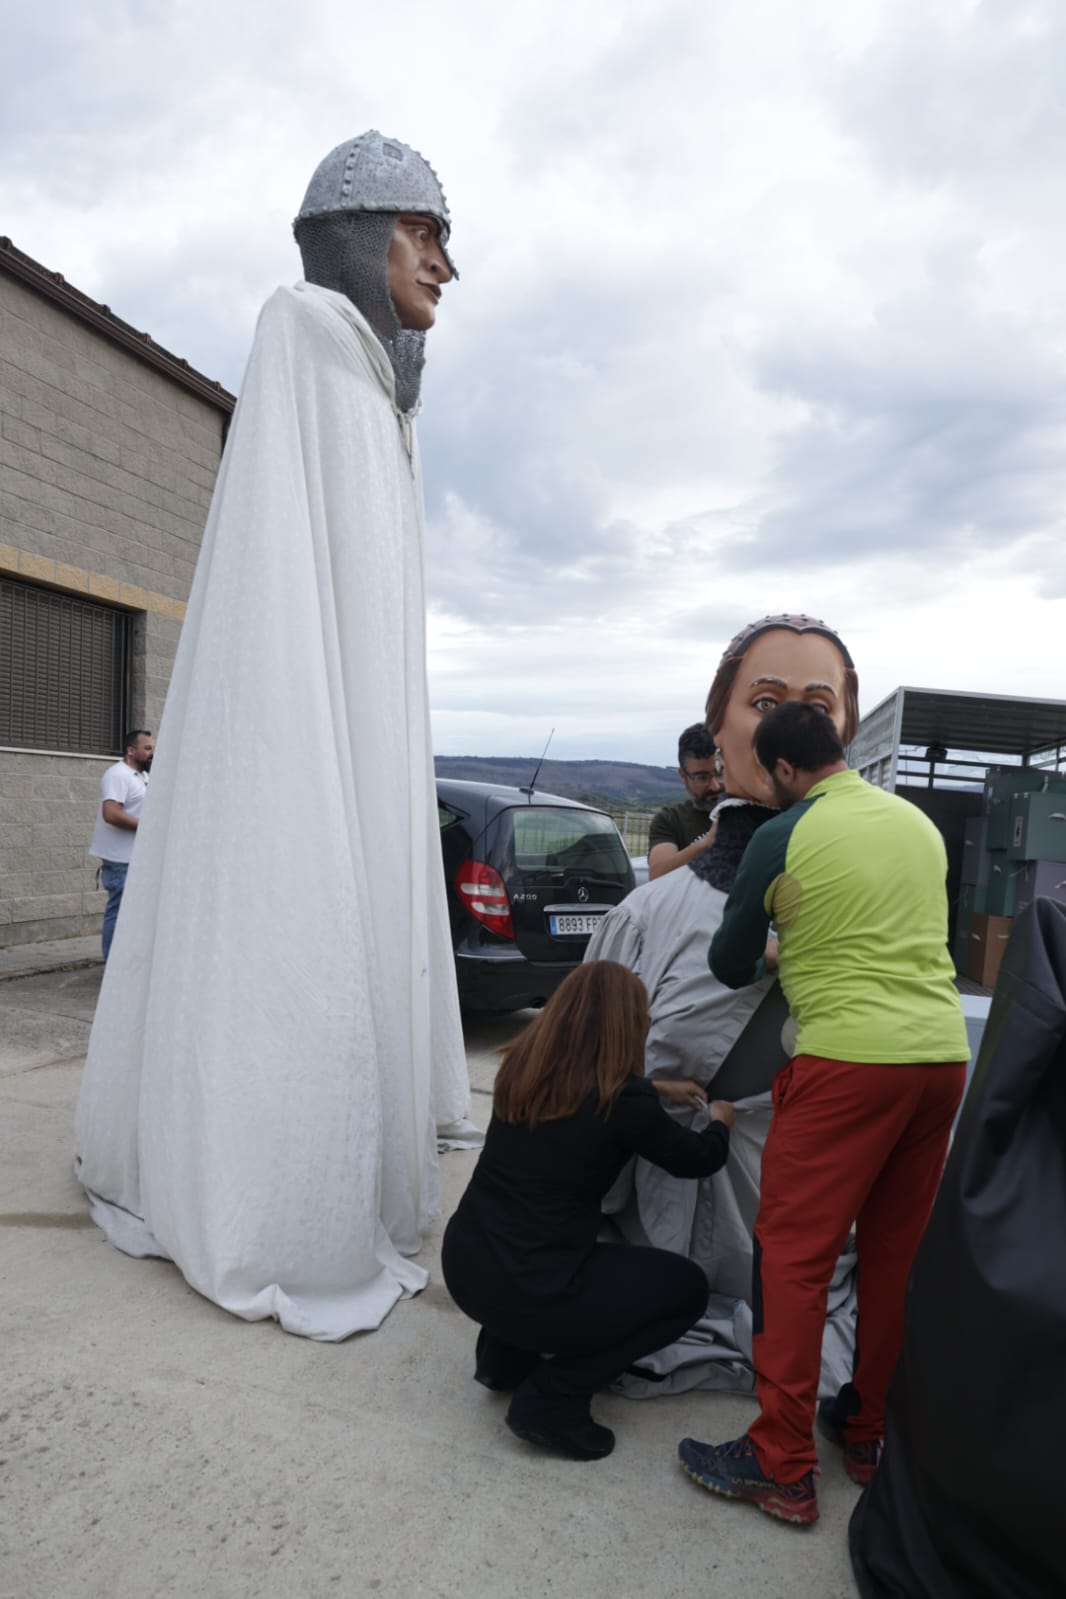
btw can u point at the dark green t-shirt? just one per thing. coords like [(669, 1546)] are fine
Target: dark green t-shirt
[(678, 824)]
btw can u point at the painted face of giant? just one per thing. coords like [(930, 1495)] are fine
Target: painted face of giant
[(777, 666), (417, 267)]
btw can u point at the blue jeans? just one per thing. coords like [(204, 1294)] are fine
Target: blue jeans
[(113, 878)]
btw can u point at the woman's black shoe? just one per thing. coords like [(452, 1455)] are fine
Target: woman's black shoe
[(496, 1384), (579, 1440)]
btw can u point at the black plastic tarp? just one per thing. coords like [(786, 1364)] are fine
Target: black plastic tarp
[(970, 1499)]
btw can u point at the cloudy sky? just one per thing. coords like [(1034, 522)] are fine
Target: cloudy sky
[(762, 308)]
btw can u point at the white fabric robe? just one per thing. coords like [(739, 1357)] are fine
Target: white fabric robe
[(278, 1031)]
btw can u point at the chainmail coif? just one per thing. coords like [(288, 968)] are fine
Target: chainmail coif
[(348, 251), (737, 822)]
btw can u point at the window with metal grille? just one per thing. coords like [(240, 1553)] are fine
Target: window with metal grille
[(64, 671)]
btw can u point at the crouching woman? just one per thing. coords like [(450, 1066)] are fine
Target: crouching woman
[(561, 1315)]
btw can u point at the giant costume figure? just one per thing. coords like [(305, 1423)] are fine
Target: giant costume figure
[(728, 1040), (278, 1040)]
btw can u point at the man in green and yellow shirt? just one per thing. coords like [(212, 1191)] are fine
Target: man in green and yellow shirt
[(853, 881)]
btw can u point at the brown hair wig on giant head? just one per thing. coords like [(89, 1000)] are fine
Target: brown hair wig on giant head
[(587, 1040)]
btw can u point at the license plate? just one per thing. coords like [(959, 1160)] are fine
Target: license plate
[(585, 923)]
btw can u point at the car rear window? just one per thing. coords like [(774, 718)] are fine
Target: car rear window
[(567, 840)]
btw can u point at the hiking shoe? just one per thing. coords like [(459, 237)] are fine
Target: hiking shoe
[(861, 1460), (733, 1470)]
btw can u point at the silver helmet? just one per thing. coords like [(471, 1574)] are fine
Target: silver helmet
[(344, 229), (372, 173)]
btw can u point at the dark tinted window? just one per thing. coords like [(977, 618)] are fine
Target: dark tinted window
[(64, 667), (567, 840)]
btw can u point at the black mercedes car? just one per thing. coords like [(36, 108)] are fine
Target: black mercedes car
[(528, 875)]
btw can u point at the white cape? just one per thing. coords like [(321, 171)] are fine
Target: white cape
[(278, 1034)]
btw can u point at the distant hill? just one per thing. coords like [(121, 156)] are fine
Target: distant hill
[(607, 782)]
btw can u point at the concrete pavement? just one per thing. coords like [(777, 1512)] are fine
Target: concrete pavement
[(154, 1447), (55, 955)]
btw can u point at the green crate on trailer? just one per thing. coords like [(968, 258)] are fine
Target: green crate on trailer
[(998, 820), (999, 794), (1037, 827), (973, 901), (1023, 780), (1003, 884), (975, 852)]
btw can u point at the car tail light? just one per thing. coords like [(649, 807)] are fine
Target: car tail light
[(482, 891)]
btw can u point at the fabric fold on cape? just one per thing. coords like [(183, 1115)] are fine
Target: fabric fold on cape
[(278, 1033)]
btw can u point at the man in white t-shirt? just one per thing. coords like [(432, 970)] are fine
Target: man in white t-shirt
[(122, 790)]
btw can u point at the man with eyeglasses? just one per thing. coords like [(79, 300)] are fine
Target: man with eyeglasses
[(679, 833)]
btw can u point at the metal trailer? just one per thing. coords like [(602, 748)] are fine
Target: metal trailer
[(935, 747), (933, 739)]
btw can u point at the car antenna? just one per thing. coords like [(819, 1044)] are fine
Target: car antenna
[(536, 774)]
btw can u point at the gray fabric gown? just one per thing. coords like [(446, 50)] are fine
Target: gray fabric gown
[(730, 1041)]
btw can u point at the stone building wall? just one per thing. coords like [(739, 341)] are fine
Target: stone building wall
[(107, 465)]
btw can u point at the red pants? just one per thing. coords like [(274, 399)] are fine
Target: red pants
[(848, 1144)]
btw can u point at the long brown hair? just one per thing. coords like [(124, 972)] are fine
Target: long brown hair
[(722, 687), (588, 1039)]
